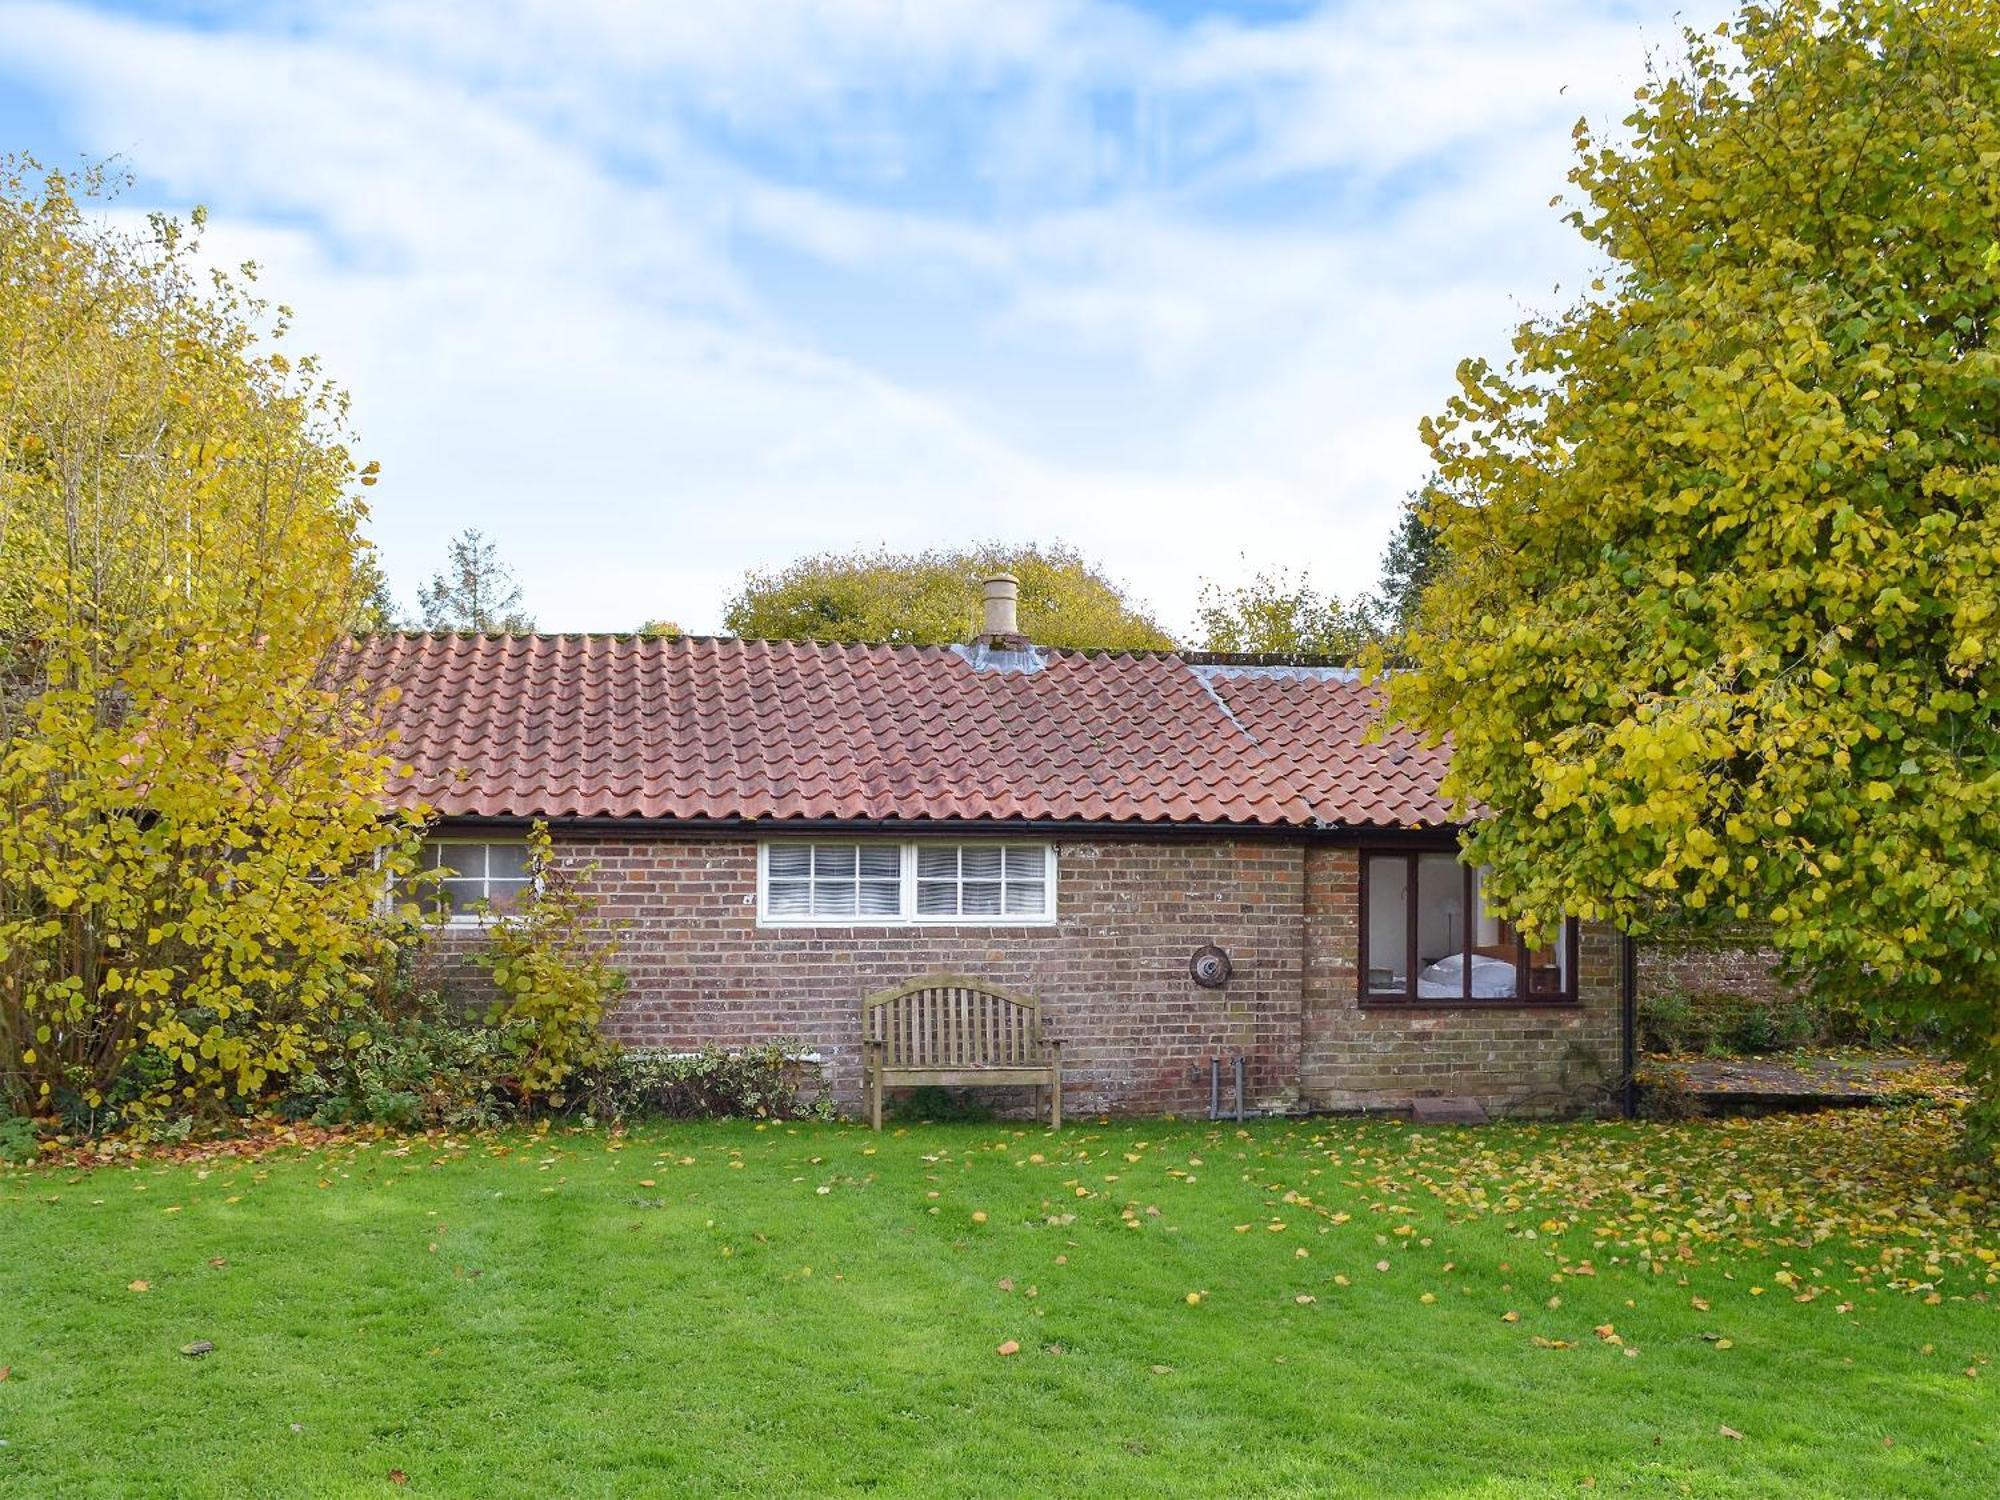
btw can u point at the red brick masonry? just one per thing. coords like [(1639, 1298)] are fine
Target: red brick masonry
[(1112, 974), (1730, 961)]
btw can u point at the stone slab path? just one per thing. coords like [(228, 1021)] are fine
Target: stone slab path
[(1803, 1080)]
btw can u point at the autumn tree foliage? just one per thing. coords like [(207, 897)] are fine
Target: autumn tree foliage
[(191, 840), (1717, 633), (372, 608), (932, 598), (1286, 615), (1282, 615)]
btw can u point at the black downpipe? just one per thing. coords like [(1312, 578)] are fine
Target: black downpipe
[(1628, 1025)]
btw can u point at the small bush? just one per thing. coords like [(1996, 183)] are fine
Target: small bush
[(941, 1106), (1730, 1025), (404, 1056), (429, 1068), (18, 1139), (1667, 1023), (555, 977), (147, 1074), (156, 1129), (760, 1082)]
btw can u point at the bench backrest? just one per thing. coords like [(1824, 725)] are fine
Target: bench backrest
[(949, 1020)]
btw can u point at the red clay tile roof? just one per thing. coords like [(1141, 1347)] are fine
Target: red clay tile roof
[(699, 729)]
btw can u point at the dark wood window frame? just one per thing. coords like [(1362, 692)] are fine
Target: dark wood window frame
[(1409, 998)]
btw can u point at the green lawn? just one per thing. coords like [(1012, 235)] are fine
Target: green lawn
[(811, 1309)]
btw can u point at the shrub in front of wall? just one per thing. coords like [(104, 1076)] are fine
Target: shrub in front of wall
[(1731, 1025), (758, 1082), (553, 967), (18, 1139), (1667, 1023), (426, 1067)]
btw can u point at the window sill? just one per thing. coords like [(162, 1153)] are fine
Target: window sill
[(1537, 1002), (901, 924)]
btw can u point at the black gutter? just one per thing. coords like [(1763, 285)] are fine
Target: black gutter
[(1441, 836)]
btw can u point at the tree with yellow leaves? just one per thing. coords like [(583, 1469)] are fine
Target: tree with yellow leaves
[(932, 599), (1718, 630), (192, 846)]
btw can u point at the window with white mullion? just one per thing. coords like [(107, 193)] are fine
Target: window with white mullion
[(478, 875), (1026, 892), (858, 882), (981, 881), (834, 880)]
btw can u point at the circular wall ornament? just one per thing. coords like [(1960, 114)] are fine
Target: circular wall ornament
[(1210, 967)]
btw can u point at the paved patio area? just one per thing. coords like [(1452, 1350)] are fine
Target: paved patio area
[(1811, 1080)]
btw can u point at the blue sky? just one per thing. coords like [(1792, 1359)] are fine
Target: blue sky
[(658, 293)]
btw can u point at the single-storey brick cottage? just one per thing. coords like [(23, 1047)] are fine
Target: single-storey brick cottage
[(780, 828)]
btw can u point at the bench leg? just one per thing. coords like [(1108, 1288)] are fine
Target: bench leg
[(1055, 1094), (875, 1099)]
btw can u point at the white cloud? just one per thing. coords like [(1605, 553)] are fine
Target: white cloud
[(658, 293)]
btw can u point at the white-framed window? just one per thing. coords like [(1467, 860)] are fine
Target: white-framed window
[(492, 871), (841, 881), (880, 883)]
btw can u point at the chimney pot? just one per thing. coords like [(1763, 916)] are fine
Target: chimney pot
[(1002, 594)]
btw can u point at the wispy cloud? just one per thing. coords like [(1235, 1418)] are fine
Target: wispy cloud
[(656, 293)]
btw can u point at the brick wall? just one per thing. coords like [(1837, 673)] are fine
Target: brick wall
[(1720, 961), (1515, 1059), (1112, 975)]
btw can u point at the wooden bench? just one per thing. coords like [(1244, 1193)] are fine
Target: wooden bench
[(949, 1031)]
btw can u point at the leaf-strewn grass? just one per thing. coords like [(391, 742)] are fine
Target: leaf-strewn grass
[(814, 1309)]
